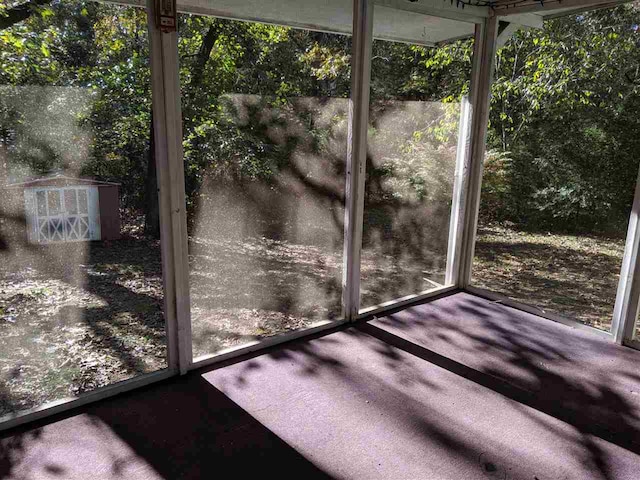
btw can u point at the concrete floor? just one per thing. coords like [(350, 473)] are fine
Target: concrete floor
[(456, 388)]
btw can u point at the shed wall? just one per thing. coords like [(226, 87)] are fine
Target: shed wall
[(13, 222), (109, 212)]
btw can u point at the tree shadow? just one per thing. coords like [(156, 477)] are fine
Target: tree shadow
[(266, 253), (577, 284), (271, 242), (75, 317), (379, 371), (580, 379), (433, 375), (179, 429)]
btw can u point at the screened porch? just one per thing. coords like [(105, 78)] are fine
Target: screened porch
[(352, 239)]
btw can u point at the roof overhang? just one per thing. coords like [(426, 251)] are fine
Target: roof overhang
[(58, 180), (552, 8), (421, 22), (427, 22)]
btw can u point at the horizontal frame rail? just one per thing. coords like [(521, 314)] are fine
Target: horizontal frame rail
[(59, 406), (505, 300), (405, 301), (263, 344)]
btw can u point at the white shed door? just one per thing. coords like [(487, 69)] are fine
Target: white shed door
[(69, 214)]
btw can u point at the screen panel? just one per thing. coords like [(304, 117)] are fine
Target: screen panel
[(265, 133), (416, 95), (81, 295), (560, 168)]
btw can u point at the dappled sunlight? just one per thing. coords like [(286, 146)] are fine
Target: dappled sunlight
[(411, 162), (571, 375), (398, 404), (267, 138), (79, 326), (560, 167), (80, 306), (267, 220), (574, 276), (79, 448), (46, 128), (266, 254), (514, 397)]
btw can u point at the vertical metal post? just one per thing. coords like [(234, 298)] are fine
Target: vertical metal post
[(627, 298), (167, 126), (481, 79), (459, 197), (356, 154)]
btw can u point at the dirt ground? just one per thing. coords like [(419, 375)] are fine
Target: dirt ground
[(575, 276), (80, 316), (245, 290), (76, 317)]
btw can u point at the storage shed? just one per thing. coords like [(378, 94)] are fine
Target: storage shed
[(58, 208)]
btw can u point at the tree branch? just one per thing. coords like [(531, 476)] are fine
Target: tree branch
[(635, 80), (202, 57), (19, 13)]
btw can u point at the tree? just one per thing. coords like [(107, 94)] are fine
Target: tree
[(564, 103), (564, 106), (20, 12)]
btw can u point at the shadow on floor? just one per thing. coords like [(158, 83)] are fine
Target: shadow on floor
[(585, 381), (457, 388), (178, 429)]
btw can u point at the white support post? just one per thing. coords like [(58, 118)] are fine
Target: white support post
[(628, 296), (505, 35), (356, 154), (481, 78), (167, 126), (459, 198)]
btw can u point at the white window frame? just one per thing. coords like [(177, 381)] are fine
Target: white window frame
[(626, 310), (167, 123), (464, 218), (168, 145), (627, 304), (356, 155)]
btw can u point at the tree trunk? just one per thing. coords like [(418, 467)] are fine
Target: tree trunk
[(152, 207), (203, 55), (152, 204), (19, 13)]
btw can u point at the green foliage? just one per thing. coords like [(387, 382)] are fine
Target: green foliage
[(412, 72), (563, 142), (565, 105), (496, 188), (413, 166), (76, 94)]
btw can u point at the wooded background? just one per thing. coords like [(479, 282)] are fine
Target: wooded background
[(563, 148)]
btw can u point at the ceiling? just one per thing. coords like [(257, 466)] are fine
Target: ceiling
[(421, 22)]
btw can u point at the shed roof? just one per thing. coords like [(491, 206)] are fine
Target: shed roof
[(58, 179)]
